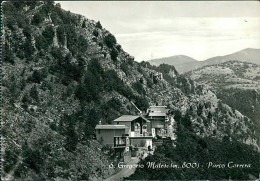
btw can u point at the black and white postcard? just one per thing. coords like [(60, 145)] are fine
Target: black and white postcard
[(130, 90)]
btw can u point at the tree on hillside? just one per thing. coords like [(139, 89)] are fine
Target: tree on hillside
[(34, 93), (84, 24), (67, 127), (139, 88), (110, 40), (114, 54), (90, 123), (95, 33), (8, 55), (48, 34), (37, 19), (98, 25), (28, 49), (61, 33)]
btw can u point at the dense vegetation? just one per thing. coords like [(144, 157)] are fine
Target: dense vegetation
[(59, 90), (246, 101), (45, 70), (236, 83), (189, 148)]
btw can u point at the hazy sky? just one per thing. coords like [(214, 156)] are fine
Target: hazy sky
[(157, 29)]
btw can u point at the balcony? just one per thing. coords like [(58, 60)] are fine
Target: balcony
[(119, 142), (137, 134)]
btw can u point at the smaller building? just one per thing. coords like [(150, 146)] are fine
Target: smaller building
[(137, 126), (138, 129), (113, 135), (127, 130), (158, 117)]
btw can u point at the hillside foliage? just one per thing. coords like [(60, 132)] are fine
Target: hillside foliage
[(202, 153)]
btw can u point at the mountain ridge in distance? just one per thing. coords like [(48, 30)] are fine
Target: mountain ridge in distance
[(173, 60), (250, 55)]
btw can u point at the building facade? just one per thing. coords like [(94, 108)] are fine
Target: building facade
[(157, 115), (136, 131), (112, 135)]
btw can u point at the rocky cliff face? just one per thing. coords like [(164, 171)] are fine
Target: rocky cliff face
[(62, 73)]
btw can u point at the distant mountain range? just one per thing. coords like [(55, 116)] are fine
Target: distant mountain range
[(230, 74), (173, 60), (184, 63)]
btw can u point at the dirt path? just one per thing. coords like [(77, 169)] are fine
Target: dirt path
[(124, 172)]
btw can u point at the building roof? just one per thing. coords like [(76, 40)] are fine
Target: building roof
[(156, 114), (157, 111), (110, 126), (130, 118)]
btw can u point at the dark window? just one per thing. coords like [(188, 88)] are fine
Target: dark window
[(99, 131), (117, 122)]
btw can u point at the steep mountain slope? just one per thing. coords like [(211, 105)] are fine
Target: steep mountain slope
[(236, 83), (248, 55), (173, 60), (63, 73)]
